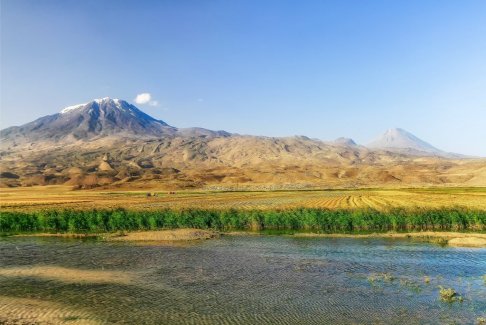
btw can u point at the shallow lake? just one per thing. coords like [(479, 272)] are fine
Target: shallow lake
[(240, 280)]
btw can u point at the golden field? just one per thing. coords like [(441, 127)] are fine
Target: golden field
[(63, 197)]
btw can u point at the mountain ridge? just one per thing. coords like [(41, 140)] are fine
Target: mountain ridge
[(108, 116), (111, 143)]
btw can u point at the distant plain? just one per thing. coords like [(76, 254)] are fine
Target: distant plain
[(64, 197)]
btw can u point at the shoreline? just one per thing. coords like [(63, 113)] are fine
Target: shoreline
[(450, 238), (454, 239), (180, 234)]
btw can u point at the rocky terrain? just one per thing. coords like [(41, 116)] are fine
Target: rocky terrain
[(111, 143)]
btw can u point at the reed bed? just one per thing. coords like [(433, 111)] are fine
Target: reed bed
[(301, 219)]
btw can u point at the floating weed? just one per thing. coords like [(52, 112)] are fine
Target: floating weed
[(449, 295), (372, 278), (410, 285), (426, 279), (380, 277), (388, 277), (484, 279), (481, 320)]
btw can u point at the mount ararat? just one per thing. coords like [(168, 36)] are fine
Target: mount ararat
[(111, 143)]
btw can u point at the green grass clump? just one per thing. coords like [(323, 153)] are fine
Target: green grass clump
[(300, 219)]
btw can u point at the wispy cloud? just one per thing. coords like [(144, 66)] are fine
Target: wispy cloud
[(146, 99)]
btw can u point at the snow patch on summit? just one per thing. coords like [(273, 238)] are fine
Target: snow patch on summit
[(71, 108), (99, 101)]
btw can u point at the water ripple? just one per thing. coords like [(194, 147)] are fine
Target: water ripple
[(250, 280)]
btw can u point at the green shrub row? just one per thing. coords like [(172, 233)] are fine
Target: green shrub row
[(321, 220)]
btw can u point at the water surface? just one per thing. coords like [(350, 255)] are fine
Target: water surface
[(247, 280)]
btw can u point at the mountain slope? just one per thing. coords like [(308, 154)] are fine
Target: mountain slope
[(345, 141)]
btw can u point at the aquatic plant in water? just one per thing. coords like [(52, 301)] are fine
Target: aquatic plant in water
[(449, 295)]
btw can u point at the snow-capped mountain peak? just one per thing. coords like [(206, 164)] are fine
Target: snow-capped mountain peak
[(99, 118), (397, 139)]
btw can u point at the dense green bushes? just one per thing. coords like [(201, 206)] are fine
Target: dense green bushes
[(319, 220)]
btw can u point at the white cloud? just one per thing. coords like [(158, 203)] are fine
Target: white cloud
[(143, 98), (146, 98)]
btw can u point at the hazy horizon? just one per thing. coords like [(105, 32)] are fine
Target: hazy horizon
[(321, 69)]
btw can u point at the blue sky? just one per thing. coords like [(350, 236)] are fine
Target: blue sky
[(318, 68)]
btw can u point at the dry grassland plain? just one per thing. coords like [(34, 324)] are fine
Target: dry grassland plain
[(31, 199)]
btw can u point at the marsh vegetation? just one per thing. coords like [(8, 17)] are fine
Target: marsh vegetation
[(303, 219)]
